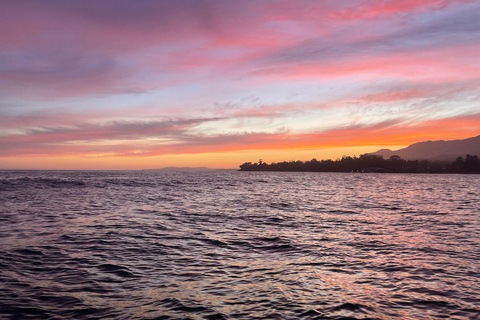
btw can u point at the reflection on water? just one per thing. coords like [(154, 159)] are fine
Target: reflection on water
[(239, 245)]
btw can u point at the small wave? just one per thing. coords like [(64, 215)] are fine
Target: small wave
[(349, 306), (20, 312), (269, 239), (59, 183), (240, 243), (274, 248), (397, 268), (128, 182), (311, 313), (29, 252), (434, 304), (120, 271), (214, 242), (14, 184), (177, 305)]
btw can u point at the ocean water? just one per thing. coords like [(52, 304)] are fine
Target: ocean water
[(239, 245)]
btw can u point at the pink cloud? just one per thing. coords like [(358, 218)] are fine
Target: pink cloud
[(353, 10), (80, 48), (435, 66), (383, 9)]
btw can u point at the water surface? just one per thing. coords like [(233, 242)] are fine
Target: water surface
[(239, 245)]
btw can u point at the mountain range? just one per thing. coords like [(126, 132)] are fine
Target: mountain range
[(440, 150)]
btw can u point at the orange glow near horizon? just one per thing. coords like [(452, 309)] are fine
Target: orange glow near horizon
[(221, 160)]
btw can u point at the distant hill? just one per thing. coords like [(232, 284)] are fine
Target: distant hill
[(181, 169), (435, 150)]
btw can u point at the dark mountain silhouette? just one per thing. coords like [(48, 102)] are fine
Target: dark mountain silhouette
[(435, 150)]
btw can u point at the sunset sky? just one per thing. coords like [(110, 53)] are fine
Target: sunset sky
[(146, 84)]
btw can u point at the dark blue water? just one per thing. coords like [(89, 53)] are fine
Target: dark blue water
[(239, 245)]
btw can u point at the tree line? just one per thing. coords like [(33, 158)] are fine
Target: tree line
[(370, 163)]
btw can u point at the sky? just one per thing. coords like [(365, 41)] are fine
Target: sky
[(114, 84)]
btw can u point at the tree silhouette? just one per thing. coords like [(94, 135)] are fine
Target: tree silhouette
[(369, 163)]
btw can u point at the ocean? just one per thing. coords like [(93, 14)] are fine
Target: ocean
[(238, 245)]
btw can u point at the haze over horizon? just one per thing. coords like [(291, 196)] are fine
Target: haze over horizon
[(151, 84)]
